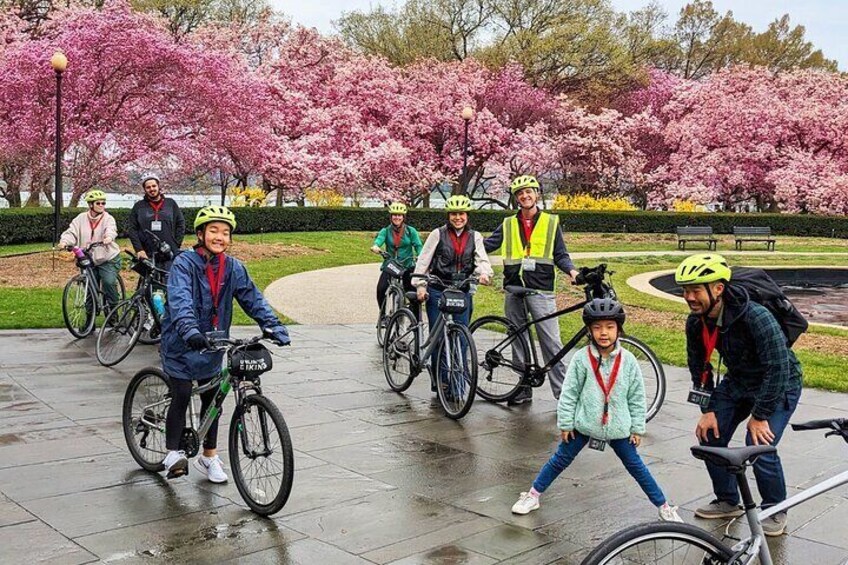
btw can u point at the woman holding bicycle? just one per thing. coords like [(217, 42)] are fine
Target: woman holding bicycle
[(98, 226), (602, 401), (402, 243), (201, 287)]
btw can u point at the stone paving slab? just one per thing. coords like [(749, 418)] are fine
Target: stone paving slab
[(380, 477)]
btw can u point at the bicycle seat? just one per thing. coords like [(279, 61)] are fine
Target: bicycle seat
[(520, 290), (731, 457), (411, 295)]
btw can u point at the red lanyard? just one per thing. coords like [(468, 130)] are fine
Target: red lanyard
[(459, 243), (607, 389), (527, 226), (710, 341), (216, 284), (93, 225), (156, 207), (397, 235)]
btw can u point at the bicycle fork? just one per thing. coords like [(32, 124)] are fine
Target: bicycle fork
[(249, 450)]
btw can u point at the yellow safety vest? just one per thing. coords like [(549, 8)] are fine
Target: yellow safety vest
[(540, 247)]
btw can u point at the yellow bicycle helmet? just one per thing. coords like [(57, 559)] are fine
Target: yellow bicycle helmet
[(524, 181), (95, 196), (702, 268), (458, 203), (214, 214), (397, 208)]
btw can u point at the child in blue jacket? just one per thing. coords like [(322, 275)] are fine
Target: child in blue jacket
[(201, 287)]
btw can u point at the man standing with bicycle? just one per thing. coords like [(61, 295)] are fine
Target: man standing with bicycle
[(532, 248), (158, 215), (762, 382)]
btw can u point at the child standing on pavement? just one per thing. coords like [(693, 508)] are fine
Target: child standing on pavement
[(602, 401)]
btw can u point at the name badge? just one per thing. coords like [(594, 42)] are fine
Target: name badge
[(528, 264), (597, 444), (699, 397), (156, 225)]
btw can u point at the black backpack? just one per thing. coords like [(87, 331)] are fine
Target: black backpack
[(763, 290)]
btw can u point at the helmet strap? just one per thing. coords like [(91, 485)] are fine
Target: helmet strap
[(714, 301)]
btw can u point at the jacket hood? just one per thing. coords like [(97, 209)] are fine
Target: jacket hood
[(736, 304)]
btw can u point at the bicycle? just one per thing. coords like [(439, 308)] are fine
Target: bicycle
[(405, 356), (666, 542), (82, 298), (124, 326), (151, 328), (504, 374), (395, 294), (260, 448)]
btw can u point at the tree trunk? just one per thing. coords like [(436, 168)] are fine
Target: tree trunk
[(13, 197)]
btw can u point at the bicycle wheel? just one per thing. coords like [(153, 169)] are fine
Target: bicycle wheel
[(261, 455), (499, 347), (652, 372), (457, 371), (78, 306), (391, 304), (119, 332), (145, 408), (661, 542), (400, 350)]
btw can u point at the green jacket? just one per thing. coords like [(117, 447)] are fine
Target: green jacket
[(581, 404), (410, 245)]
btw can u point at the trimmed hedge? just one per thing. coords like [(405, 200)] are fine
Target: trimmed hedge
[(25, 225)]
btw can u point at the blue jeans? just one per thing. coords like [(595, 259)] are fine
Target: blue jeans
[(767, 469), (625, 451), (433, 313)]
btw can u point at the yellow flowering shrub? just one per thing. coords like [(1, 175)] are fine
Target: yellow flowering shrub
[(589, 202), (687, 206), (323, 197), (251, 196)]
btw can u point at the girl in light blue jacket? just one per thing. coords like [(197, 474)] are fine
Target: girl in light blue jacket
[(602, 401)]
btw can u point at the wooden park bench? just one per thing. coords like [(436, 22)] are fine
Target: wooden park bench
[(758, 234), (695, 234)]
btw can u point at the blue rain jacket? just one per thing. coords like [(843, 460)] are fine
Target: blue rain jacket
[(189, 311)]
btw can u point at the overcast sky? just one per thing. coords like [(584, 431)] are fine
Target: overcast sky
[(826, 20)]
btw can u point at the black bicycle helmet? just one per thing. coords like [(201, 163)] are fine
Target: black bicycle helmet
[(603, 309)]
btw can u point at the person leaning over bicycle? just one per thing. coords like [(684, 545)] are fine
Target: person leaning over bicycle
[(532, 247), (159, 215), (453, 251), (763, 380), (201, 287), (98, 225), (403, 243)]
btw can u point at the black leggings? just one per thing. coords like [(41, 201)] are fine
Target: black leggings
[(175, 421), (383, 287)]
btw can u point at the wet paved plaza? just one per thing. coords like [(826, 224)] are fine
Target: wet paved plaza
[(380, 477)]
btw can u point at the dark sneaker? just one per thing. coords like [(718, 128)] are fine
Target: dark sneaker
[(524, 395), (774, 526), (719, 509)]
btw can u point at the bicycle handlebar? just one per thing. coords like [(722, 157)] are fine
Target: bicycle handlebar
[(220, 343), (473, 279), (836, 424)]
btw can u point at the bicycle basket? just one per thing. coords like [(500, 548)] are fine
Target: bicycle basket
[(394, 268), (453, 302), (250, 361)]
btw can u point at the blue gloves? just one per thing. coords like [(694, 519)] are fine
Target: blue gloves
[(199, 342)]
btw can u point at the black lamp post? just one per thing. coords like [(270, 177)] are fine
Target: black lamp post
[(467, 116), (59, 63)]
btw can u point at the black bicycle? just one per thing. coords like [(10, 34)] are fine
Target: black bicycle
[(406, 353), (125, 324), (151, 329), (395, 298), (501, 347), (83, 298), (261, 454)]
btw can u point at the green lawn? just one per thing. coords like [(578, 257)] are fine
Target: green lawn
[(39, 308)]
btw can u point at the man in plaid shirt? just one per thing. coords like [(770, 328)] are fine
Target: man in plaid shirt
[(762, 380)]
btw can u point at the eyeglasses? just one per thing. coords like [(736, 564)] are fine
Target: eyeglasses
[(100, 202)]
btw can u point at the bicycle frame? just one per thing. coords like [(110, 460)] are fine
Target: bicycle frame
[(755, 545)]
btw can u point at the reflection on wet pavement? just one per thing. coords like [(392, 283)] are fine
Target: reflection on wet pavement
[(380, 477)]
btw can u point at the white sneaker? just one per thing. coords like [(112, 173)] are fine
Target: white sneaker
[(669, 514), (176, 464), (526, 504), (212, 467)]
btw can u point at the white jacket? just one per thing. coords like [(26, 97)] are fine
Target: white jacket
[(80, 233)]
